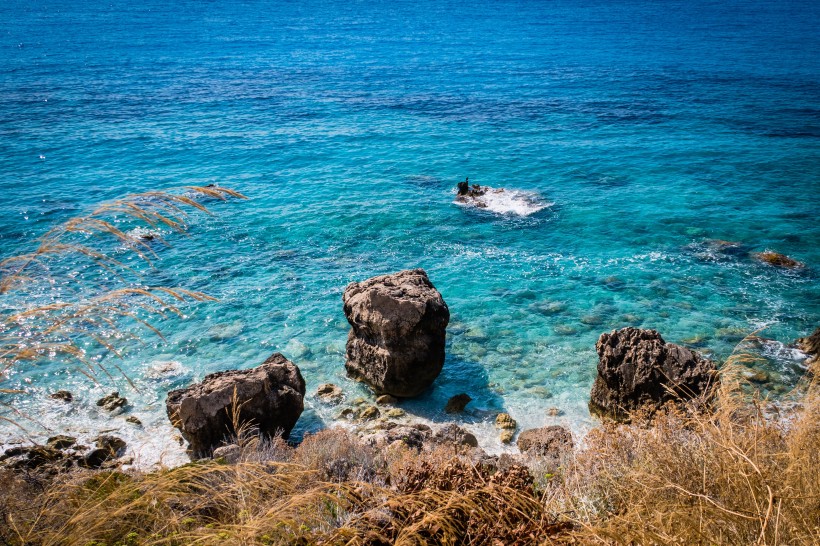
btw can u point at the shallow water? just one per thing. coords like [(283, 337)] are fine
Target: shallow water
[(644, 130)]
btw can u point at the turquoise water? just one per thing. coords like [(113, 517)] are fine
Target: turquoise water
[(643, 129)]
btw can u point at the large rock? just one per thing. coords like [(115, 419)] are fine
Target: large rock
[(396, 340), (638, 367), (271, 398)]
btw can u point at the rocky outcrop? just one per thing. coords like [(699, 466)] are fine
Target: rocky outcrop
[(638, 367), (270, 399), (396, 340), (551, 441)]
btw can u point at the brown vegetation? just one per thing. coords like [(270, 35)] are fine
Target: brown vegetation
[(732, 476)]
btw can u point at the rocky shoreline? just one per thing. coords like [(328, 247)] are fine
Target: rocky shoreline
[(396, 347)]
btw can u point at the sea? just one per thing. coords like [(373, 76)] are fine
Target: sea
[(633, 138)]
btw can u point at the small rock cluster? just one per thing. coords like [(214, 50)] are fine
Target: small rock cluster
[(62, 453)]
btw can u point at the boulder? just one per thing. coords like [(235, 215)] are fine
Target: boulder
[(638, 367), (270, 399), (396, 340), (550, 441)]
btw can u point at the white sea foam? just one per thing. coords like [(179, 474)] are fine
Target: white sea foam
[(511, 202)]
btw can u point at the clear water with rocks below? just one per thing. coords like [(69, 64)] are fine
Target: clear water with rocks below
[(631, 133)]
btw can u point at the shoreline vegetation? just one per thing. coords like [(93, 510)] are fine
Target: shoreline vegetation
[(690, 455), (739, 470)]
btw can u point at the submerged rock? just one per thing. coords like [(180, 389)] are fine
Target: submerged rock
[(776, 259), (638, 367), (550, 441), (457, 403), (396, 340), (270, 399)]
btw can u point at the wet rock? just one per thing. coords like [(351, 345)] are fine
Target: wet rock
[(457, 403), (231, 453), (113, 444), (96, 457), (396, 340), (810, 344), (555, 412), (638, 367), (395, 413), (61, 441), (112, 402), (34, 457), (550, 441), (506, 436), (358, 401), (386, 400), (453, 434), (133, 420), (64, 396), (270, 398), (330, 393), (505, 422), (347, 413), (369, 413), (776, 259)]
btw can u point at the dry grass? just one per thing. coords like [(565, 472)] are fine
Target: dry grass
[(731, 476), (734, 475), (70, 324)]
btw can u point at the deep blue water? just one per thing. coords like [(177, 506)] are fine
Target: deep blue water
[(644, 129)]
